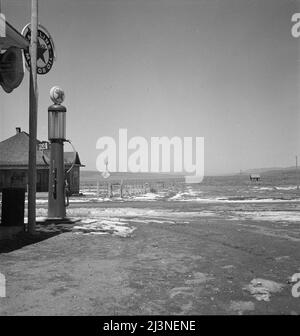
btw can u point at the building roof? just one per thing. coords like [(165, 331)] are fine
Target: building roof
[(69, 158), (12, 37), (14, 152)]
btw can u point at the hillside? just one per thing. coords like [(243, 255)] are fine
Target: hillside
[(269, 177), (90, 176)]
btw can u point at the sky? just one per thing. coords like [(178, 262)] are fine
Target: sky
[(225, 70)]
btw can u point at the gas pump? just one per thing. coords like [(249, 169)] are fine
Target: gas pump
[(57, 136), (46, 160)]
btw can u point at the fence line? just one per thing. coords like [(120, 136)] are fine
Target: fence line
[(130, 187)]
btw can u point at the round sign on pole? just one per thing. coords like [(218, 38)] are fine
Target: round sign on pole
[(45, 50)]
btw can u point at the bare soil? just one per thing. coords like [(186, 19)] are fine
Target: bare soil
[(202, 267)]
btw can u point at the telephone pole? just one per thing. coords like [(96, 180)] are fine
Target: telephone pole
[(33, 103)]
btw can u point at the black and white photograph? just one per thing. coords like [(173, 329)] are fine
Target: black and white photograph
[(149, 160)]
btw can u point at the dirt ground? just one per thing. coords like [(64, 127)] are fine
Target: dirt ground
[(202, 267)]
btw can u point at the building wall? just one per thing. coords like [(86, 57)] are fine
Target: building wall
[(13, 178), (17, 178), (42, 180), (73, 179)]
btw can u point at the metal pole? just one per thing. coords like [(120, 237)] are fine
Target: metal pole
[(33, 102)]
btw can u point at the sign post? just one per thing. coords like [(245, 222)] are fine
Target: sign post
[(33, 103), (39, 60)]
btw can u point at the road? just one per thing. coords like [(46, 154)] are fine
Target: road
[(207, 265)]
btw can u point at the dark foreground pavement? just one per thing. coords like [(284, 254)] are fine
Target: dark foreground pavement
[(203, 267)]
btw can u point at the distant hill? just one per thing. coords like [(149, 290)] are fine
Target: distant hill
[(269, 177), (92, 176), (268, 170), (260, 170)]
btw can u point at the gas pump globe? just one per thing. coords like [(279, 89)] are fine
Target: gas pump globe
[(57, 115)]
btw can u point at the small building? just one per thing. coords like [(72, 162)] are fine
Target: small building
[(254, 177), (14, 164)]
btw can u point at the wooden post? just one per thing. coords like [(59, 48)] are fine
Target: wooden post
[(110, 190), (297, 181), (121, 189), (33, 102)]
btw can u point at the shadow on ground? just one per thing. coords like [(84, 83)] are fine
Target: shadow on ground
[(23, 239)]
